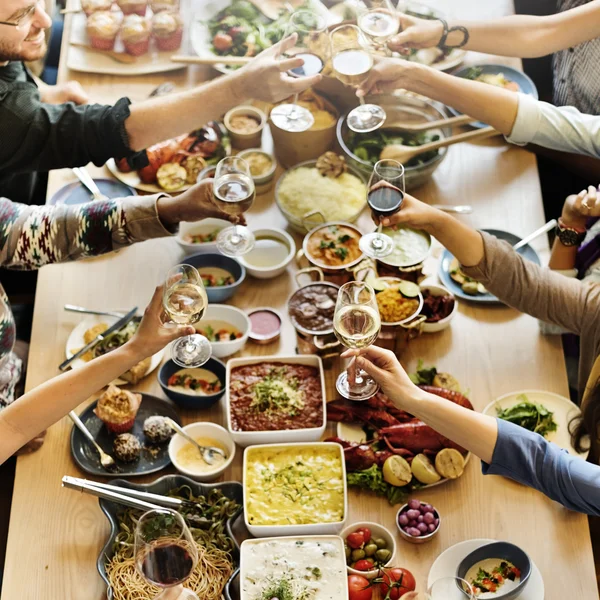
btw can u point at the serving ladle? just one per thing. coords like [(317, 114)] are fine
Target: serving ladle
[(206, 452)]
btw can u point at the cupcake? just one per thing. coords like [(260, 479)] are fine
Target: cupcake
[(167, 29), (102, 29), (92, 6), (127, 447), (135, 35), (131, 7), (117, 408), (160, 5)]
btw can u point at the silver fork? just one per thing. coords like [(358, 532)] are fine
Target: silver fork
[(105, 460), (86, 179)]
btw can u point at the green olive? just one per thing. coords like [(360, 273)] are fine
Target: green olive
[(370, 549), (380, 543), (370, 560), (352, 565), (358, 554), (348, 551), (383, 555)]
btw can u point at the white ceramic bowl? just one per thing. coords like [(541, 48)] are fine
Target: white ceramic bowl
[(377, 531), (208, 430), (304, 529), (249, 438), (233, 316), (275, 270), (439, 290), (200, 227)]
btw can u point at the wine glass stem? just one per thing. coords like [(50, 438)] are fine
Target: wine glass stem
[(352, 369), (236, 238), (361, 99), (172, 593), (190, 346)]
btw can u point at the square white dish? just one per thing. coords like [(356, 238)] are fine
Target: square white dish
[(248, 438), (262, 531)]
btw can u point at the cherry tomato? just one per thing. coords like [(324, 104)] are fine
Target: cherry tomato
[(363, 565), (366, 533), (356, 540), (222, 42), (359, 588), (398, 582)]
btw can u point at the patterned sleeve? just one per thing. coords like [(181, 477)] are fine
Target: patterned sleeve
[(33, 236)]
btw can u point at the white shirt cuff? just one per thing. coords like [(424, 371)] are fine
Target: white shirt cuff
[(527, 122)]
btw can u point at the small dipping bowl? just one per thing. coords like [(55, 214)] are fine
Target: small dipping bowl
[(438, 290), (421, 539), (240, 139), (261, 250), (222, 293), (264, 181), (265, 325), (202, 430)]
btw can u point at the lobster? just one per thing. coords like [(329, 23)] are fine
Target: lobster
[(359, 457)]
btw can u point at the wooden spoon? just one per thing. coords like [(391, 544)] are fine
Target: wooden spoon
[(121, 57), (403, 153), (210, 60), (439, 123)]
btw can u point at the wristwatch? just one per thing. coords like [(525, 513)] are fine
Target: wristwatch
[(570, 236)]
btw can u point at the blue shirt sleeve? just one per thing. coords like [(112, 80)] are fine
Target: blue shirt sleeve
[(528, 458)]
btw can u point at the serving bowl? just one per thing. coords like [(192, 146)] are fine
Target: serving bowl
[(191, 401), (204, 430), (439, 290), (503, 551), (400, 109), (275, 270), (295, 529), (377, 531), (421, 539), (220, 261), (248, 438), (394, 281), (203, 227), (232, 315), (306, 222)]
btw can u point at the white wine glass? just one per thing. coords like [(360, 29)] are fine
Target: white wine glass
[(185, 301), (165, 553), (379, 21), (351, 60), (312, 46), (356, 324), (385, 197), (234, 193), (450, 588)]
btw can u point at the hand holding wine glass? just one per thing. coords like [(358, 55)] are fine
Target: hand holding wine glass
[(379, 21), (166, 553)]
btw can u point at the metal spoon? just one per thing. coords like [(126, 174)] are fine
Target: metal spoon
[(464, 209), (206, 452), (88, 311), (85, 178), (105, 460)]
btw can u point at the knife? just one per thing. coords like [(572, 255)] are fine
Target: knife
[(101, 336)]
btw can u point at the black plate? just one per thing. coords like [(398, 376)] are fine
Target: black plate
[(444, 271), (87, 458), (231, 489)]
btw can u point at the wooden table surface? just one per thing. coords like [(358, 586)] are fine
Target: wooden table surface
[(55, 535)]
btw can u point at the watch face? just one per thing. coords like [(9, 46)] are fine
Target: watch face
[(569, 237)]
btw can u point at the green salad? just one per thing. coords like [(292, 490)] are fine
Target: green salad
[(535, 417)]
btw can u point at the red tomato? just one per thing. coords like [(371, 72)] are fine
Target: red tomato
[(366, 533), (356, 540), (359, 588), (222, 42), (363, 565), (398, 582)]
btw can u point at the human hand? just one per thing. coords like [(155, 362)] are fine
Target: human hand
[(153, 334), (578, 208), (416, 33), (414, 213), (387, 75), (71, 91), (266, 78)]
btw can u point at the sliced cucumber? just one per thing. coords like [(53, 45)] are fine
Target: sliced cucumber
[(409, 289), (376, 283)]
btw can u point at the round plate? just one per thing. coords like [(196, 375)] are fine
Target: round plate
[(564, 411), (524, 81), (352, 432), (75, 341), (87, 458), (444, 270), (76, 193), (447, 563), (133, 180)]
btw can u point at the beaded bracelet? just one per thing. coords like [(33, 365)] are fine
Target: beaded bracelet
[(447, 32)]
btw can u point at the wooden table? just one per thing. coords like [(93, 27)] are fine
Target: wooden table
[(55, 535)]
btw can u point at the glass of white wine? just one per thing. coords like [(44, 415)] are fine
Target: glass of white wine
[(233, 193), (312, 47), (379, 21), (356, 324), (352, 61), (185, 301)]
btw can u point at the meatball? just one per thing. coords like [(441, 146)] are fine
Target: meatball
[(157, 429), (127, 447)]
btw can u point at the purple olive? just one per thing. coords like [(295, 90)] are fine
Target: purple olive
[(413, 523), (420, 518), (413, 514), (427, 508), (428, 518), (422, 528), (414, 504), (413, 531), (436, 522), (403, 520), (431, 527)]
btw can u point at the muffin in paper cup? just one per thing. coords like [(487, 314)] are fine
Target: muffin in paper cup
[(133, 7), (167, 29), (102, 29), (117, 409), (135, 35), (162, 5), (92, 6)]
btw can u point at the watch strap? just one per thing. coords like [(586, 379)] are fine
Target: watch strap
[(570, 236), (447, 31)]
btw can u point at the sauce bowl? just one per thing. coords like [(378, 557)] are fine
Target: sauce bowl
[(273, 270)]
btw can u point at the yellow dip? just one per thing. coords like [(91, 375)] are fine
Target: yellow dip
[(294, 486), (189, 457)]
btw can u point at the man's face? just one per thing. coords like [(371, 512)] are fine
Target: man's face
[(27, 41)]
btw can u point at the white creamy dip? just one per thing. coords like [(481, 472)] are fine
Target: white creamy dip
[(489, 565)]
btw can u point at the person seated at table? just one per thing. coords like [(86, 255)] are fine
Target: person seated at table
[(542, 293), (504, 448), (43, 406), (54, 127)]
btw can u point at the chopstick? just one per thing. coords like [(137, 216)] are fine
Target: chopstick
[(211, 60), (543, 229)]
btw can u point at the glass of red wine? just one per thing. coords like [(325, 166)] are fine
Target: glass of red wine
[(385, 197), (165, 553), (312, 46)]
